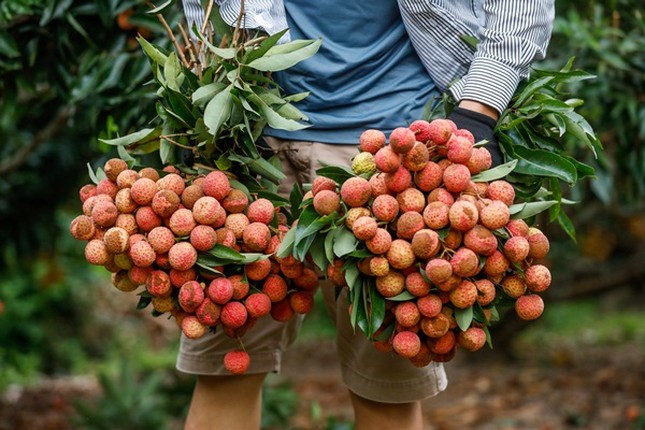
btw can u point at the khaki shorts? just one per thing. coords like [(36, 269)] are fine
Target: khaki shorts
[(374, 375)]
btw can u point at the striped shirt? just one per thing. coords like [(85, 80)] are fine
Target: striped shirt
[(511, 35)]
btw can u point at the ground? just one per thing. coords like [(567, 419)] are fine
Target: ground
[(588, 388)]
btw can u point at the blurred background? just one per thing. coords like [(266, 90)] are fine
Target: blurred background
[(75, 353)]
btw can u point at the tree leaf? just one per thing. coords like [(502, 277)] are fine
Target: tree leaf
[(529, 209), (140, 136), (402, 297), (464, 317), (286, 246), (338, 173), (497, 172), (204, 94), (152, 51), (543, 163), (218, 110), (344, 242), (281, 57), (272, 117)]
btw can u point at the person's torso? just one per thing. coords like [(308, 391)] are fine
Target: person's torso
[(365, 75)]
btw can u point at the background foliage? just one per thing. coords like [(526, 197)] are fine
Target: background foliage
[(71, 71)]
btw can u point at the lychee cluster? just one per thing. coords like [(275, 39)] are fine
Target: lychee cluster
[(439, 242), (149, 228)]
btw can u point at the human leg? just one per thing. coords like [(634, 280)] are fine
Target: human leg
[(226, 402), (369, 414)]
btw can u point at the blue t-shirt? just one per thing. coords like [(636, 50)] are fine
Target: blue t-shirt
[(365, 75)]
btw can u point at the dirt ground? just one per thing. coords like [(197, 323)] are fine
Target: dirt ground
[(591, 388)]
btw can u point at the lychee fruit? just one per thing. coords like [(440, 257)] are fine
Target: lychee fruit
[(190, 296), (429, 178), (440, 130), (463, 215), (301, 302), (165, 203), (464, 262), (408, 224), (421, 129), (425, 243), (391, 284), (456, 178), (256, 236), (429, 305), (494, 215), (220, 290), (143, 191), (406, 343), (203, 237), (399, 180), (411, 200), (323, 183), (516, 248), (237, 361), (233, 314), (96, 252), (400, 254), (161, 239), (147, 219), (407, 314), (116, 240), (261, 210), (438, 270), (363, 162), (158, 284), (385, 207), (460, 149), (364, 228), (355, 191), (416, 158), (192, 328), (182, 256), (216, 184), (82, 227), (472, 339), (182, 222), (501, 190), (435, 215), (529, 307), (237, 223), (257, 305), (142, 254), (464, 295), (538, 243), (537, 278), (326, 202)]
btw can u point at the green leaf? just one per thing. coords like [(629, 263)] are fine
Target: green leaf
[(171, 71), (286, 246), (152, 52), (344, 242), (531, 88), (338, 173), (497, 172), (161, 8), (204, 94), (281, 57), (529, 209), (329, 245), (273, 118), (218, 110), (567, 225), (376, 309), (402, 297), (140, 136), (544, 163), (317, 251), (224, 53), (464, 317)]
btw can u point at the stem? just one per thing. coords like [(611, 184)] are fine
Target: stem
[(174, 142), (180, 51)]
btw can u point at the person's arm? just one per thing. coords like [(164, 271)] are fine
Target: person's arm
[(511, 35), (515, 34)]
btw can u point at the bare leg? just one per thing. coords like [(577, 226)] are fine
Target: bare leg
[(370, 415), (226, 402)]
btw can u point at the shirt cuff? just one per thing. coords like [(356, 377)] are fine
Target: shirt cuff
[(489, 82)]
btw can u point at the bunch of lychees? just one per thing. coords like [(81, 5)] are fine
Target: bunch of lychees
[(201, 250), (440, 242)]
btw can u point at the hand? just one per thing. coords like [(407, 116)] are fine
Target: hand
[(481, 126)]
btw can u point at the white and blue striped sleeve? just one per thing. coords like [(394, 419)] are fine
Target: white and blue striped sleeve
[(515, 34), (268, 15)]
